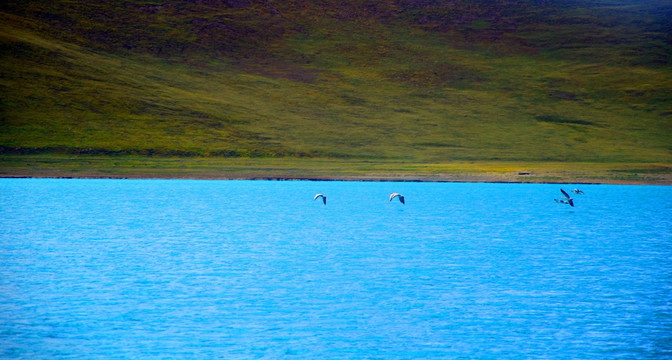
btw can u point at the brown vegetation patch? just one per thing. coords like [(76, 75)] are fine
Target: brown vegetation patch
[(438, 75), (280, 70)]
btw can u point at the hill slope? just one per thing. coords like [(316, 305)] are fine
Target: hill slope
[(419, 81)]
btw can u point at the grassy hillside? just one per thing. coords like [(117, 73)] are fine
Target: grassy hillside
[(394, 81)]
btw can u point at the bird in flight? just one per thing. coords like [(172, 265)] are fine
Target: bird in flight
[(567, 200), (577, 191), (324, 198), (401, 197)]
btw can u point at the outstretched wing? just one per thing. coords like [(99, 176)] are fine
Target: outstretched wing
[(401, 197), (564, 193), (324, 198)]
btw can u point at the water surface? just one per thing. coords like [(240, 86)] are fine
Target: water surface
[(257, 269)]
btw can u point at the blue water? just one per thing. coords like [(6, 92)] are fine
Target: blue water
[(144, 269)]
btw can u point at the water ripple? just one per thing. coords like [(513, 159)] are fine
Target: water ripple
[(240, 269)]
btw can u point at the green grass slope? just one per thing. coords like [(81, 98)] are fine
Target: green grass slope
[(396, 80)]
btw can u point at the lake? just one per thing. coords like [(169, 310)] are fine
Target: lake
[(194, 269)]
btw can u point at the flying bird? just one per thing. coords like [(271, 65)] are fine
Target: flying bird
[(401, 197), (324, 198), (567, 200), (577, 191)]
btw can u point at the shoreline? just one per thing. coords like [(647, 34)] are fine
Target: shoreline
[(325, 169), (492, 179)]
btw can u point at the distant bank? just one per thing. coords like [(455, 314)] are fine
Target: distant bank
[(63, 166)]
